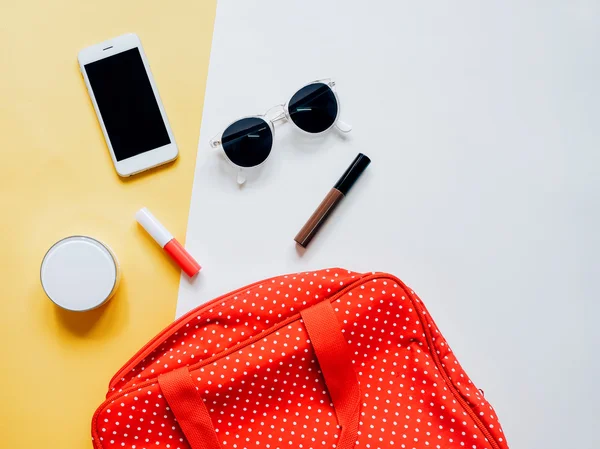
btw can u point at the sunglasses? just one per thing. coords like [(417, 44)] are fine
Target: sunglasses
[(314, 109)]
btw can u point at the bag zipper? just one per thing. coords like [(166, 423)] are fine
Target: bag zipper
[(173, 327), (436, 358), (179, 323)]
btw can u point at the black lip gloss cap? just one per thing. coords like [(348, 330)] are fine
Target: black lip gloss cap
[(352, 173)]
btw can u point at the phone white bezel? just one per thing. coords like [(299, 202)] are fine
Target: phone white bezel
[(149, 159)]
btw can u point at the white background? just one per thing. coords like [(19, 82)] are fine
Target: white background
[(482, 120)]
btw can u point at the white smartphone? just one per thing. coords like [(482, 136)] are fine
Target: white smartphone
[(126, 100)]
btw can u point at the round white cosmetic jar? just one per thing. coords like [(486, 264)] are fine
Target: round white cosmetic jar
[(79, 273)]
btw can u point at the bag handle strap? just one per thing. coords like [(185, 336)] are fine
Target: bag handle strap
[(334, 359), (189, 409), (336, 365)]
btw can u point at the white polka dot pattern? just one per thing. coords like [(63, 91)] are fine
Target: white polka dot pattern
[(251, 359), (227, 321)]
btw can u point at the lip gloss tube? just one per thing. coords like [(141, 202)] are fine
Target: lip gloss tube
[(166, 240), (333, 198)]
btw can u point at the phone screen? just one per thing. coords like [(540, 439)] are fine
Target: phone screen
[(127, 104)]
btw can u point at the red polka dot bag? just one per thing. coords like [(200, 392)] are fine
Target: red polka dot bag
[(325, 359)]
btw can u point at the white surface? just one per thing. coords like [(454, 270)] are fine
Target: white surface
[(149, 159), (157, 231), (79, 273), (482, 121)]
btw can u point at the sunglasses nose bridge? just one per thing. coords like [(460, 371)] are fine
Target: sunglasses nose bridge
[(276, 113)]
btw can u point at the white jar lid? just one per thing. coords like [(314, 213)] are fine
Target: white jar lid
[(79, 273)]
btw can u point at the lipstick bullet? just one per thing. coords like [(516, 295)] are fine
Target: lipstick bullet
[(333, 198)]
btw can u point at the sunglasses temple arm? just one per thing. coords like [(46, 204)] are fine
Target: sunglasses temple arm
[(343, 126), (215, 142), (241, 178)]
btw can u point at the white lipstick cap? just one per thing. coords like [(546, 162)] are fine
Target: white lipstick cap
[(153, 227)]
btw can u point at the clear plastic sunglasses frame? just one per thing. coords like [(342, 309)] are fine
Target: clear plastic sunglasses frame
[(279, 113)]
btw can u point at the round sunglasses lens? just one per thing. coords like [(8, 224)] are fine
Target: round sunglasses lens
[(247, 142), (313, 108)]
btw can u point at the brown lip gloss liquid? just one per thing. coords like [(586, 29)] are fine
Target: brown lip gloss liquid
[(335, 195)]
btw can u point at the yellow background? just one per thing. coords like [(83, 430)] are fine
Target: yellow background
[(57, 179)]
